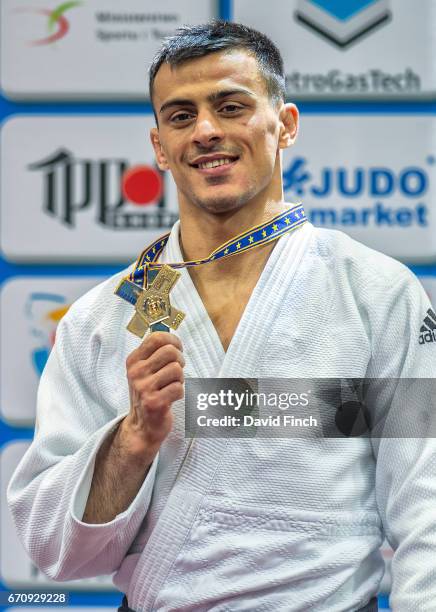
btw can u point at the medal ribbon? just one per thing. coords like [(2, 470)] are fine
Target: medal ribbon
[(281, 224)]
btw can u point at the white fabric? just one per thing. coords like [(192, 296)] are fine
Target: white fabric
[(284, 525)]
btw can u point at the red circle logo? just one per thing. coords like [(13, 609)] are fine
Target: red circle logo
[(142, 185)]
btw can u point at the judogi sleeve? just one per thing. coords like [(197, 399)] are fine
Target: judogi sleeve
[(405, 347), (48, 492)]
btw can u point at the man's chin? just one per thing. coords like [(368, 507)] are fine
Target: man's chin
[(222, 204)]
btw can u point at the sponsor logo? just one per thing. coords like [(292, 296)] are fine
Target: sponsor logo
[(336, 81), (43, 312), (129, 26), (379, 183), (123, 196), (55, 19), (342, 23), (428, 328)]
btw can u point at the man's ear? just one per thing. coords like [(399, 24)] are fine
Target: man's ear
[(158, 151), (288, 125)]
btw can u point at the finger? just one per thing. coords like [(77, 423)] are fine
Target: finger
[(172, 372), (171, 393), (155, 409), (145, 389), (162, 357), (157, 403), (151, 344)]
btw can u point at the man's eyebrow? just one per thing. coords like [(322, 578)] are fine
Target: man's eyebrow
[(176, 102), (225, 93), (213, 97)]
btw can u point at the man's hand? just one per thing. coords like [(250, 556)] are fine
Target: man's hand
[(155, 377)]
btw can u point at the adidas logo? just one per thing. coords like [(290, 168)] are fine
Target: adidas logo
[(428, 330)]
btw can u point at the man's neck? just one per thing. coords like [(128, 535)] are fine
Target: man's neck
[(202, 232), (225, 285)]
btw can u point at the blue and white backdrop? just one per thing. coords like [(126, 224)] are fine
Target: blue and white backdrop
[(80, 194)]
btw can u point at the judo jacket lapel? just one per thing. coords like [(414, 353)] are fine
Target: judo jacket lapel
[(193, 465)]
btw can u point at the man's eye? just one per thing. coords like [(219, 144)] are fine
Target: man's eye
[(181, 117), (231, 108)]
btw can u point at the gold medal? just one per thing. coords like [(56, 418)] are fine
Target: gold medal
[(152, 305)]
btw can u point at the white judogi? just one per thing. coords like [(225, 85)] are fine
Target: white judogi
[(285, 524)]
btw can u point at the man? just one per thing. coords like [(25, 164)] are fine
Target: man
[(110, 484)]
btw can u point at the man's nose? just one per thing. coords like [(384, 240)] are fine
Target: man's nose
[(207, 130)]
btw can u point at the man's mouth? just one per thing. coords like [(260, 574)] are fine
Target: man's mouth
[(215, 162)]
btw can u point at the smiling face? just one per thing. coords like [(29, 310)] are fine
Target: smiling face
[(219, 133)]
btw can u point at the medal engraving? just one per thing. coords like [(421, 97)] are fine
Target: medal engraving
[(153, 304), (175, 318)]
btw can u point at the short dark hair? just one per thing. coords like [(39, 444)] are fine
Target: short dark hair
[(191, 42)]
